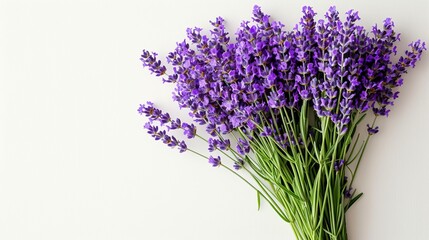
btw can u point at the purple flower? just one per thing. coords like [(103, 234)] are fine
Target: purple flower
[(152, 130), (189, 130), (224, 144), (211, 129), (149, 60), (170, 141), (238, 164), (372, 131), (338, 164), (266, 131), (243, 146), (147, 109), (348, 192), (212, 144), (182, 146), (214, 161), (175, 124), (154, 114), (164, 118)]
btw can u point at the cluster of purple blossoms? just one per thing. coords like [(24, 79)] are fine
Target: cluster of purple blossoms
[(155, 115), (214, 161), (338, 164), (334, 66)]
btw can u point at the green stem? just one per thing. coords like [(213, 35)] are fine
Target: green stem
[(269, 199), (361, 153)]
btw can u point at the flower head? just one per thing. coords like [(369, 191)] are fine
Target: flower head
[(214, 161), (189, 130), (338, 164), (348, 192), (372, 130), (238, 164)]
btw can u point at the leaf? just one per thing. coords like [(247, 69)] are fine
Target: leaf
[(353, 200), (330, 234), (292, 194)]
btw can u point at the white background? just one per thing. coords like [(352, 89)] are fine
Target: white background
[(75, 162)]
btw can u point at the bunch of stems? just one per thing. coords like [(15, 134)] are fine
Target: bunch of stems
[(305, 184)]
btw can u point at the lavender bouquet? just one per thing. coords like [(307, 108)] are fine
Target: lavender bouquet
[(283, 107)]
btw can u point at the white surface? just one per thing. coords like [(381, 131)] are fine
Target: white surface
[(75, 162)]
